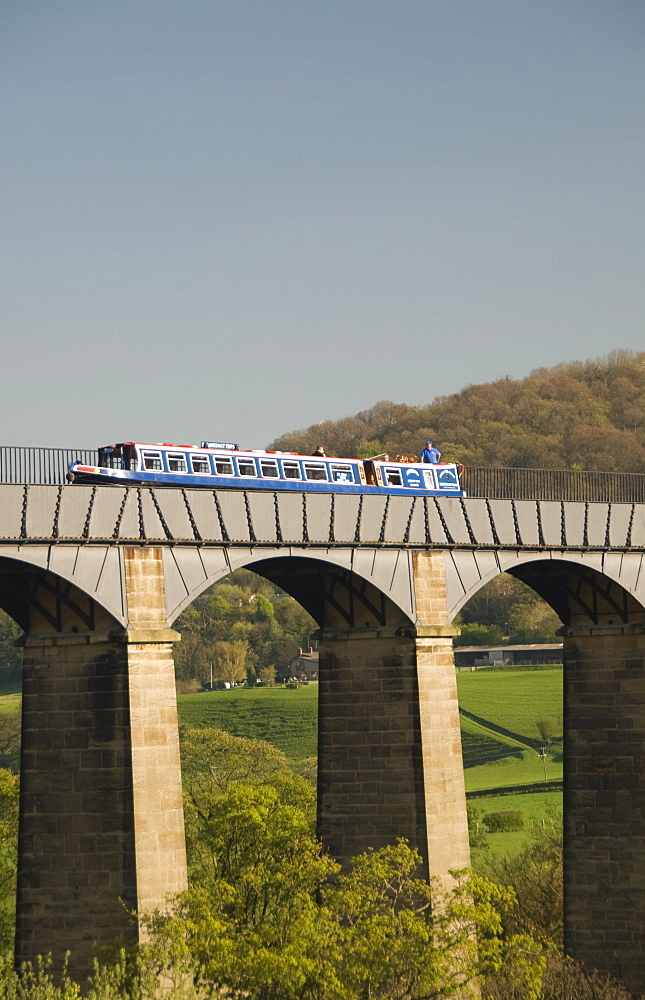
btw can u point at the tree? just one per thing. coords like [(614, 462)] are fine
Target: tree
[(288, 925), (10, 655), (8, 857), (308, 768), (267, 675), (269, 916), (494, 603), (229, 661), (218, 770), (535, 876), (242, 608), (220, 759), (506, 611), (473, 634), (534, 622), (547, 727)]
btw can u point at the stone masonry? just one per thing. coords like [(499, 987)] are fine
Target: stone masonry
[(157, 795), (101, 826), (604, 799), (389, 745)]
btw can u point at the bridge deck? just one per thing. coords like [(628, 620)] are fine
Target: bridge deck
[(100, 514)]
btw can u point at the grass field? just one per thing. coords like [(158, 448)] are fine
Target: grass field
[(522, 768), (288, 720), (513, 699), (478, 741), (536, 808), (285, 718), (10, 696)]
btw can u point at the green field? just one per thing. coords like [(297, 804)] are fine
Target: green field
[(478, 741), (287, 719), (537, 807), (522, 768), (10, 696), (513, 699)]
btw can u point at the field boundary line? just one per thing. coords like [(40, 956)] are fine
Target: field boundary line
[(525, 741), (543, 786)]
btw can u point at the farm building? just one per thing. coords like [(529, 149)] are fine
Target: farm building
[(488, 656), (304, 666)]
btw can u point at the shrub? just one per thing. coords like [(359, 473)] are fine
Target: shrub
[(187, 685), (504, 822)]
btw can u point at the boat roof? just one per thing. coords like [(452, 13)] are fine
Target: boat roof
[(235, 450)]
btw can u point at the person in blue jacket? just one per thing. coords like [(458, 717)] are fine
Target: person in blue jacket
[(430, 455)]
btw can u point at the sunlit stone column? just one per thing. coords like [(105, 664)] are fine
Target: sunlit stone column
[(389, 746), (101, 823)]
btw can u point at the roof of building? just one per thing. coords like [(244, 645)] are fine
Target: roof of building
[(311, 655), (518, 649)]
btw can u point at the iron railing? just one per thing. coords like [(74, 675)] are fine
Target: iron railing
[(41, 466), (554, 484), (48, 466)]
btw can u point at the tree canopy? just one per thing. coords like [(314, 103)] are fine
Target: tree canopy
[(581, 414), (244, 614), (269, 916)]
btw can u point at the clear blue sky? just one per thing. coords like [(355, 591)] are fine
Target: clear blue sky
[(232, 218)]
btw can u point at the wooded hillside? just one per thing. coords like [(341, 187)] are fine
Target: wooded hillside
[(582, 414)]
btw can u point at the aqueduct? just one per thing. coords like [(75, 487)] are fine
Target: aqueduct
[(96, 577)]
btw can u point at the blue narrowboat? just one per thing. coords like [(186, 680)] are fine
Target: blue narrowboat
[(222, 465)]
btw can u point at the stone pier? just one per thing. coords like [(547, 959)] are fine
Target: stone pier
[(389, 745), (101, 821), (604, 799)]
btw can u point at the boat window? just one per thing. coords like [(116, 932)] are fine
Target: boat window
[(246, 467), (393, 477), (224, 466), (342, 474), (152, 461), (291, 470), (200, 464), (429, 479), (269, 468), (315, 470), (110, 457), (176, 463)]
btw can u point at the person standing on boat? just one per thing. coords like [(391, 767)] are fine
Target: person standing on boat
[(319, 452), (430, 455)]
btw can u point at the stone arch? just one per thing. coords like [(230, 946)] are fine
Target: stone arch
[(79, 574), (42, 600), (344, 588), (609, 588)]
